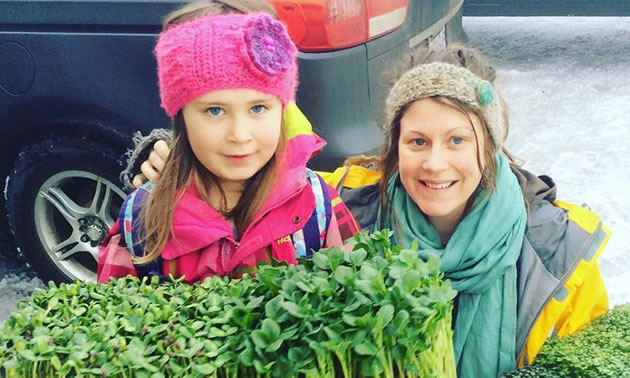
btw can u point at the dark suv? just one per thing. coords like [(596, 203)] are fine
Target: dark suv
[(77, 79)]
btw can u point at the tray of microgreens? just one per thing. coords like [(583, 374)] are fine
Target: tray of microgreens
[(378, 311)]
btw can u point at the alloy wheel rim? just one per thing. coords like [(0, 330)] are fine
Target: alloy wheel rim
[(88, 204)]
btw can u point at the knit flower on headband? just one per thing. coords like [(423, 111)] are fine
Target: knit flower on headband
[(268, 45)]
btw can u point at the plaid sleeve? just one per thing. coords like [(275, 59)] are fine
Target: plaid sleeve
[(342, 224), (114, 260)]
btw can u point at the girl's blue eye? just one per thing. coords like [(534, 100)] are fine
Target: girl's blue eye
[(458, 140), (419, 142), (215, 111), (258, 109)]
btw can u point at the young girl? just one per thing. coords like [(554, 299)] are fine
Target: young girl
[(235, 190)]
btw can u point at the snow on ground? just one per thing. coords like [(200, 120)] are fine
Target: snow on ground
[(16, 282), (567, 83)]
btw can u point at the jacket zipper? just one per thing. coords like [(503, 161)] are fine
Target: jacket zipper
[(560, 284)]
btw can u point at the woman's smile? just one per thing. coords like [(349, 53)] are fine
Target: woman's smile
[(438, 186)]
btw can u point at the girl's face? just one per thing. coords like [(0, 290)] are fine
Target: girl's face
[(437, 158), (234, 132)]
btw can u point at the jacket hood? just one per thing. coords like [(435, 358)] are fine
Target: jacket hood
[(535, 188)]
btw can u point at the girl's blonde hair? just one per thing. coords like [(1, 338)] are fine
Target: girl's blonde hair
[(182, 168)]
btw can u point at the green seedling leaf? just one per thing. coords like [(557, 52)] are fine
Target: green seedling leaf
[(216, 332), (335, 258), (184, 331), (274, 346), (355, 304), (42, 344), (246, 357), (293, 309), (261, 367), (27, 354), (368, 273), (260, 339), (289, 333), (195, 347), (411, 280), (204, 369), (55, 362), (365, 287), (300, 356), (332, 335), (401, 320), (197, 325), (255, 302), (79, 339), (344, 275), (53, 303), (305, 286), (273, 308), (386, 313), (350, 320), (358, 256), (320, 260), (271, 328), (433, 263), (397, 269), (366, 349)]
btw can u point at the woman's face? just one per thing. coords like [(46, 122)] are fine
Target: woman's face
[(438, 159), (234, 132)]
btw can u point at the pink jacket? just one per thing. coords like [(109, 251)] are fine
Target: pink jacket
[(202, 243)]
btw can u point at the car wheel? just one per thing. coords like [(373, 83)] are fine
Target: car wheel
[(62, 197)]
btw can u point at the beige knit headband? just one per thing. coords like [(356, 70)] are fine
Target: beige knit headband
[(447, 80)]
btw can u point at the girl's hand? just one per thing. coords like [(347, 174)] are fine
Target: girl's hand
[(152, 167)]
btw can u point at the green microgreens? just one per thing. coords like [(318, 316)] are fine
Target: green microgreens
[(376, 311)]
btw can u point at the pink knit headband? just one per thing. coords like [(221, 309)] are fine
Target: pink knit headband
[(232, 51)]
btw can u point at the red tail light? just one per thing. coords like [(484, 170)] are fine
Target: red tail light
[(322, 25)]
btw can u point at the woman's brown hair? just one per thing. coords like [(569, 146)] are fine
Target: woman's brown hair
[(182, 168)]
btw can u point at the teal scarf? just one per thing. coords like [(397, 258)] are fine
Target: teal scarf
[(480, 260)]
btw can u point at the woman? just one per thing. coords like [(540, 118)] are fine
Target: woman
[(524, 264)]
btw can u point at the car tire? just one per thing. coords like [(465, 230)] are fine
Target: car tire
[(62, 196)]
